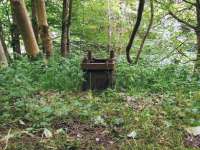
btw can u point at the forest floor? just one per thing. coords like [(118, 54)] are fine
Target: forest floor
[(109, 120), (151, 107)]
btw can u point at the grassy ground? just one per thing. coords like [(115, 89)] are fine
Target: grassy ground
[(148, 109)]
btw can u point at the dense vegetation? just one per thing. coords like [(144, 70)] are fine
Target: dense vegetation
[(152, 104)]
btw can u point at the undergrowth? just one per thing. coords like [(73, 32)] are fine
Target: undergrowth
[(35, 96)]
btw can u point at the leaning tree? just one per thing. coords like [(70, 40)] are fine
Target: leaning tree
[(25, 27)]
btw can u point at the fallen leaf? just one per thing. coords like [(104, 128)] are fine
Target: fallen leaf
[(47, 133), (21, 122), (79, 135), (194, 130), (97, 139), (132, 135)]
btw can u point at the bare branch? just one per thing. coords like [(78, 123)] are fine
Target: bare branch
[(182, 21), (191, 3)]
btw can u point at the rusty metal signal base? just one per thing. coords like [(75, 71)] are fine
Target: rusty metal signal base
[(98, 73)]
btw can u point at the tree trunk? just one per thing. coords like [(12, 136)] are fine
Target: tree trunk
[(197, 65), (147, 33), (135, 29), (66, 22), (69, 24), (15, 35), (4, 44), (44, 28), (35, 19), (25, 27), (3, 59)]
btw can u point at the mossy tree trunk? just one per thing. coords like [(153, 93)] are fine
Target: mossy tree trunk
[(2, 39), (25, 27), (44, 28), (3, 59)]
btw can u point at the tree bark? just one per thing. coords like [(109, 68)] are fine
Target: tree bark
[(69, 24), (197, 65), (135, 29), (198, 51), (3, 59), (35, 19), (44, 28), (25, 27), (66, 22), (2, 39), (15, 34)]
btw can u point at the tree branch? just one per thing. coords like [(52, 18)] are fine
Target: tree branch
[(191, 3), (182, 21)]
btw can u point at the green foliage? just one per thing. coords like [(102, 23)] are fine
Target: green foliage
[(154, 100), (24, 76), (155, 78), (63, 74), (45, 95)]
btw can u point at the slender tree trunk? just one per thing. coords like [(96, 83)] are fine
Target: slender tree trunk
[(3, 59), (66, 22), (35, 19), (44, 28), (2, 39), (64, 28), (69, 24), (197, 65), (15, 34), (147, 33), (25, 27), (135, 29)]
